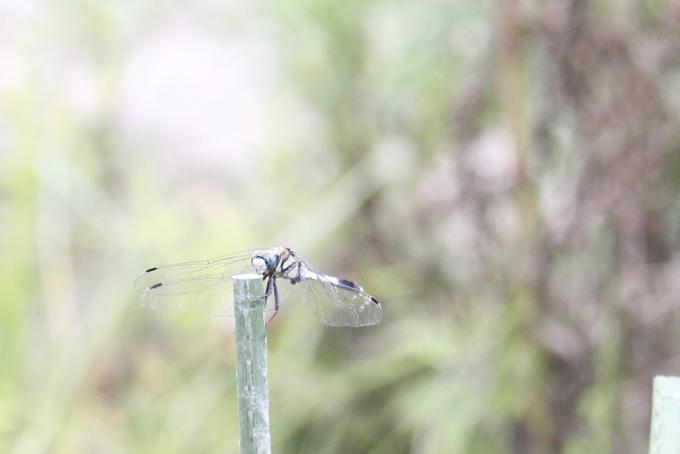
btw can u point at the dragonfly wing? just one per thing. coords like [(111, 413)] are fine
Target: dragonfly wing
[(176, 271), (338, 302), (202, 286)]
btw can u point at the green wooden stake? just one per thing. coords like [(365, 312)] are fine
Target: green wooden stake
[(664, 435), (251, 364)]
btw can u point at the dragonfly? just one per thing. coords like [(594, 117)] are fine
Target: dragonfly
[(204, 286)]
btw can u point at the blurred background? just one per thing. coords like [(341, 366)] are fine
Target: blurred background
[(504, 176)]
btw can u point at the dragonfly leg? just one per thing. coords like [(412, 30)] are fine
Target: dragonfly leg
[(268, 289), (272, 280)]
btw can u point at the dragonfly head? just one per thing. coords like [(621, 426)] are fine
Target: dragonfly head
[(264, 261)]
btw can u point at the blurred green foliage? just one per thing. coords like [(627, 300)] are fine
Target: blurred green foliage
[(503, 175)]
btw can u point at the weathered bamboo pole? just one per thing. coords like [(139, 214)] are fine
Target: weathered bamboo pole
[(251, 364)]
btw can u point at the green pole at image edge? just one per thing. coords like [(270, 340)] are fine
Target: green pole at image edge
[(664, 435)]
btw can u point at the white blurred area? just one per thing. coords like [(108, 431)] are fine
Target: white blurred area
[(180, 90), (188, 96)]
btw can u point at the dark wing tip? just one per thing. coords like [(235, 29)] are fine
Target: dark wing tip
[(155, 286), (151, 269), (350, 284), (375, 301)]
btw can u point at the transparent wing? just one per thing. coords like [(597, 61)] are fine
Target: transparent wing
[(339, 302), (176, 271), (202, 286)]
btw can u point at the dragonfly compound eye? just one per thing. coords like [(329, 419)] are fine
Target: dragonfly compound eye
[(270, 259), (259, 264), (263, 261)]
